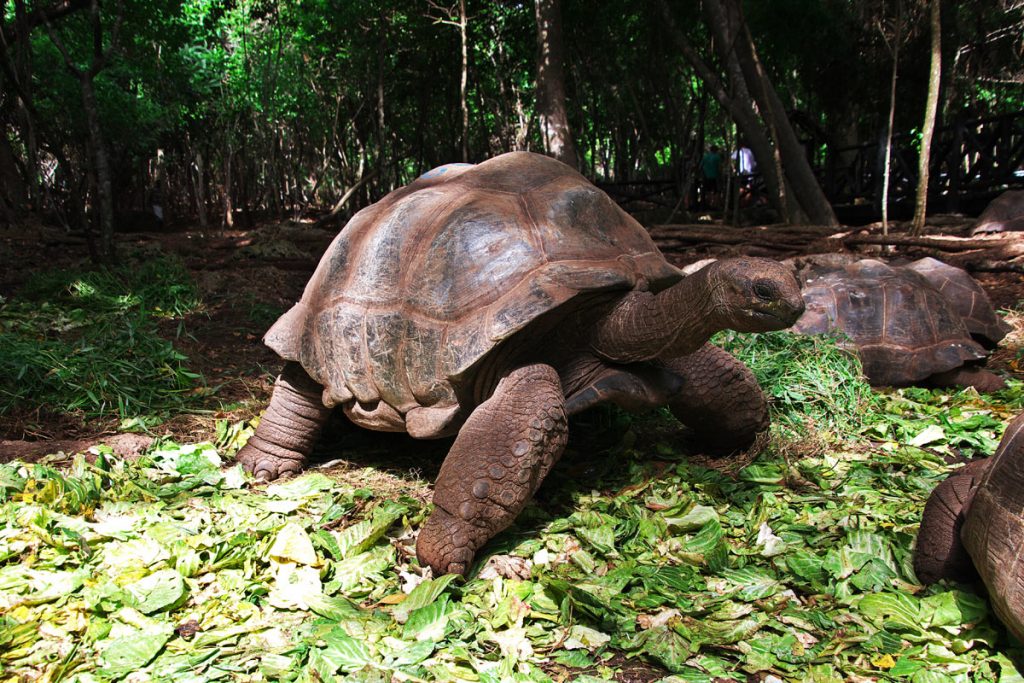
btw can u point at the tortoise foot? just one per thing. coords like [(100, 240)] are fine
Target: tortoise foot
[(445, 544), (502, 454), (722, 403), (289, 427), (940, 552), (983, 380), (633, 388), (268, 466)]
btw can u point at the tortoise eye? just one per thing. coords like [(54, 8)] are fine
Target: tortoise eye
[(763, 290)]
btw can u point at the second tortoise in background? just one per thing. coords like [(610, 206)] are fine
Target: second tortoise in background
[(918, 324)]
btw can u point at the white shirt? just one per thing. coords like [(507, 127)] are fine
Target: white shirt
[(745, 163)]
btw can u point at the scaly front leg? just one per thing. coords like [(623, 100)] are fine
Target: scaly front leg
[(721, 401), (498, 461), (289, 427)]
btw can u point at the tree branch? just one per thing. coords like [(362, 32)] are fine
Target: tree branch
[(43, 15)]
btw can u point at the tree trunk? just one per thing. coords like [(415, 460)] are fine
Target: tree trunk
[(928, 127), (229, 209), (12, 186), (464, 82), (739, 108), (726, 19), (200, 190), (551, 109), (886, 168), (101, 167), (103, 178), (23, 69)]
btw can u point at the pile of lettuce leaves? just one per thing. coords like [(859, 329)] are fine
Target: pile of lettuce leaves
[(638, 560)]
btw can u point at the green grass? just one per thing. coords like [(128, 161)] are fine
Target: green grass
[(88, 342), (814, 385)]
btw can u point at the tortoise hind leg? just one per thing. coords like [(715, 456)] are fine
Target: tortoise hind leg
[(722, 402), (289, 427), (501, 456), (940, 553)]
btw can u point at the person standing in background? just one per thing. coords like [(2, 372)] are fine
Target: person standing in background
[(710, 177), (746, 166)]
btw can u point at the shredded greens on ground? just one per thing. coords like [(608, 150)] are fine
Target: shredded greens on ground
[(795, 567)]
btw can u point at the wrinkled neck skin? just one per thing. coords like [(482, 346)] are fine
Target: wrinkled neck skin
[(675, 322)]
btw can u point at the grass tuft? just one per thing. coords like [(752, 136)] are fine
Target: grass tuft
[(88, 341), (814, 384)]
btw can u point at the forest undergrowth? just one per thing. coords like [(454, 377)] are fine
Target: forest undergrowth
[(791, 563), (88, 342)]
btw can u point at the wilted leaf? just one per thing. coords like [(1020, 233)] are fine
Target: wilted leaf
[(929, 434), (292, 544), (430, 621), (295, 586), (344, 652), (161, 590), (421, 596)]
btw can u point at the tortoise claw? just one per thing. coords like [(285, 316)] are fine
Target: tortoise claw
[(266, 467), (445, 544)]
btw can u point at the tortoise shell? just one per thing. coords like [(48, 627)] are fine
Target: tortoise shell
[(1005, 213), (418, 288), (994, 526), (903, 329), (968, 298)]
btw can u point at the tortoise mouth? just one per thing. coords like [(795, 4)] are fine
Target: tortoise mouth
[(777, 317)]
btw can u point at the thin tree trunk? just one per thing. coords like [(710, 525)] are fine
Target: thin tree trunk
[(886, 170), (463, 103), (200, 191), (739, 108), (97, 145), (551, 108), (928, 127), (229, 209), (12, 186), (101, 170), (23, 69), (726, 19)]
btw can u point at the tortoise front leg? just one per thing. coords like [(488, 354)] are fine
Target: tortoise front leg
[(635, 388), (501, 456), (722, 402), (981, 379), (289, 427), (940, 553)]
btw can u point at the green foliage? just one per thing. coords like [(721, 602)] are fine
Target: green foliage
[(798, 570), (89, 341), (812, 382)]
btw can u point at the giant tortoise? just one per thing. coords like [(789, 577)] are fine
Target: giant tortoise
[(903, 328), (973, 525), (1004, 214), (492, 302)]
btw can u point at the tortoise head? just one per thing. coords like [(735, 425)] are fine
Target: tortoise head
[(755, 294)]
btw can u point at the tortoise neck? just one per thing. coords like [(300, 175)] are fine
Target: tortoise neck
[(674, 322)]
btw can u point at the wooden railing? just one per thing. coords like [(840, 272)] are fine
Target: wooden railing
[(970, 159)]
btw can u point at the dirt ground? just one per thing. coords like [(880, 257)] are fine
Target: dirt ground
[(249, 277)]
